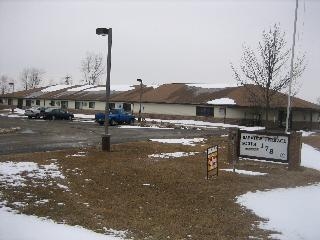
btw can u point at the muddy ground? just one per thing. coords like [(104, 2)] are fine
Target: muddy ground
[(150, 198)]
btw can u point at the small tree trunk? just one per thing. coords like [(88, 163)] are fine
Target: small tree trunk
[(267, 125)]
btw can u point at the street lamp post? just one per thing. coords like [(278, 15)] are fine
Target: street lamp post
[(291, 66), (139, 117), (106, 137), (12, 85)]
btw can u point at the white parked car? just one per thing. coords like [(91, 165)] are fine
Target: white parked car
[(34, 112)]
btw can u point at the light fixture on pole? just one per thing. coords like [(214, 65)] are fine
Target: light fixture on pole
[(139, 117), (106, 137)]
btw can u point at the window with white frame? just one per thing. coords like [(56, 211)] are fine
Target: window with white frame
[(92, 105)]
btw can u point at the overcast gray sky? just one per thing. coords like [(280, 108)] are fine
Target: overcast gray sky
[(158, 41)]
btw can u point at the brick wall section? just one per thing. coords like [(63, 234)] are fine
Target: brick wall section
[(295, 145)]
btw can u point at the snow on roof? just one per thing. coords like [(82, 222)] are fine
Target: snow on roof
[(211, 85), (117, 88), (55, 88), (121, 88), (153, 85), (77, 89), (222, 101)]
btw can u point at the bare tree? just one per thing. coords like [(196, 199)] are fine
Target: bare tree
[(31, 77), (268, 69), (68, 79), (4, 84), (92, 68)]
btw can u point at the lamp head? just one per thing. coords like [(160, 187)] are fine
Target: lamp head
[(139, 80), (102, 31)]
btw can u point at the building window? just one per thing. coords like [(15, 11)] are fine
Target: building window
[(92, 104), (222, 110), (52, 103), (1, 100), (112, 105), (28, 103), (38, 102), (10, 101), (204, 111), (64, 104), (78, 105), (127, 107)]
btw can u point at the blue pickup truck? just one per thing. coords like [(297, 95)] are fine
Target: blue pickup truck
[(116, 116)]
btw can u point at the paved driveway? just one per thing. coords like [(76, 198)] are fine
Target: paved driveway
[(40, 135)]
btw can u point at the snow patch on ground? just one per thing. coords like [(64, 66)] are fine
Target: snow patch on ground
[(193, 123), (19, 111), (172, 155), (222, 101), (245, 172), (84, 116), (292, 212), (183, 141), (306, 133), (310, 157), (151, 127), (16, 173), (18, 226)]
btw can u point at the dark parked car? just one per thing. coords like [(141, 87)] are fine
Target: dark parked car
[(54, 114)]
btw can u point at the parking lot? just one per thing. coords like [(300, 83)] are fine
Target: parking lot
[(34, 135)]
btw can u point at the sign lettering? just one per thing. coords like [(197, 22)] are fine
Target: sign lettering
[(264, 146)]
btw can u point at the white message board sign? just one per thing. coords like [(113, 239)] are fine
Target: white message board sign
[(264, 146)]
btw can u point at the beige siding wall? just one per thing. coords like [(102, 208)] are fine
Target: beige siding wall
[(219, 112), (100, 106), (316, 117), (169, 109), (305, 116), (235, 113), (300, 116)]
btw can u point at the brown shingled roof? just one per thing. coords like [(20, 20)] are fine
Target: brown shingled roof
[(180, 93), (174, 93)]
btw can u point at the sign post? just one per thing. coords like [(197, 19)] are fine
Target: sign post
[(212, 160)]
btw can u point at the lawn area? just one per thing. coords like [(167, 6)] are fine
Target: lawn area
[(149, 197)]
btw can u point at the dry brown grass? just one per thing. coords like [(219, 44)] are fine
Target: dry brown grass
[(151, 198)]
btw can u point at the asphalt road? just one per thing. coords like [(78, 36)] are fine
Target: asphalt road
[(44, 135)]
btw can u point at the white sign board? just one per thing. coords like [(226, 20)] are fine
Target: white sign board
[(273, 147)]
